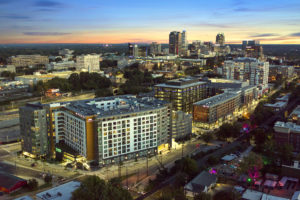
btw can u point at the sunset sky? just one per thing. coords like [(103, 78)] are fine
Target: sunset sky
[(116, 21)]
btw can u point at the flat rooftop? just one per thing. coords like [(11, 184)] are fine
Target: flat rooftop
[(278, 104), (218, 99), (61, 192), (114, 105), (291, 127), (181, 83), (296, 111)]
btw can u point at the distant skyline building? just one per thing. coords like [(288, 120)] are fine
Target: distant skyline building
[(155, 48), (175, 43), (247, 69), (133, 50), (253, 49), (89, 62), (220, 39), (184, 41), (28, 60)]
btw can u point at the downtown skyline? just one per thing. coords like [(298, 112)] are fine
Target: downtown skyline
[(37, 21)]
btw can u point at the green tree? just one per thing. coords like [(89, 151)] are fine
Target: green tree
[(202, 196), (94, 188), (285, 153), (103, 92), (207, 137), (74, 80), (48, 178), (32, 184), (251, 165)]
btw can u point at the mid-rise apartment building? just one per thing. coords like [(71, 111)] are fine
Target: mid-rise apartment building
[(109, 129), (181, 124), (89, 62), (287, 133), (280, 70), (34, 129), (28, 60), (182, 93), (211, 112)]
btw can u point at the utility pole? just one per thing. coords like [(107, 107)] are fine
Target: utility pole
[(127, 177), (182, 150), (147, 166), (119, 167)]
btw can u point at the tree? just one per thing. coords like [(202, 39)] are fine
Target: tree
[(103, 92), (48, 178), (226, 195), (192, 71), (187, 165), (74, 80), (94, 188), (32, 184), (252, 164), (285, 153), (207, 137), (202, 196), (228, 130)]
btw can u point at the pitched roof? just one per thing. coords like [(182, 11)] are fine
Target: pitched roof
[(8, 180), (204, 179)]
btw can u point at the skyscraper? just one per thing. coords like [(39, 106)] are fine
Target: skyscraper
[(175, 43), (133, 50), (220, 39), (184, 41), (253, 49)]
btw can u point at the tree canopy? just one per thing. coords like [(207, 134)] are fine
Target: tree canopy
[(94, 188)]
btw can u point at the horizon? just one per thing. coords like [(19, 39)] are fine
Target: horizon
[(94, 22)]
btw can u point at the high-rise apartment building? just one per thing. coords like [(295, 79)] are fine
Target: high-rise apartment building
[(182, 93), (89, 62), (107, 130), (28, 60), (247, 69), (155, 48), (220, 39), (175, 43)]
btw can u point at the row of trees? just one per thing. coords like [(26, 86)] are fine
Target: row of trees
[(8, 74), (76, 82)]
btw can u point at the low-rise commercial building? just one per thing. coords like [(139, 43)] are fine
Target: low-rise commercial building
[(276, 107), (295, 116), (28, 60), (59, 66), (9, 68)]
